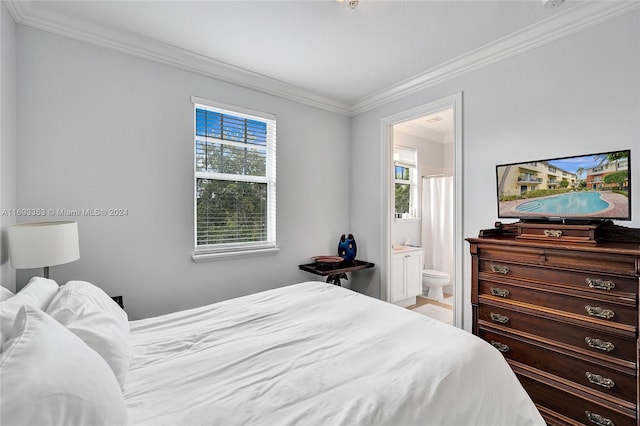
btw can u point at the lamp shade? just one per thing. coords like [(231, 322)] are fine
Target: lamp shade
[(43, 244)]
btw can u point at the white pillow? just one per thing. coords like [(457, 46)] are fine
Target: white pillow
[(5, 293), (49, 376), (38, 292), (93, 316), (8, 312)]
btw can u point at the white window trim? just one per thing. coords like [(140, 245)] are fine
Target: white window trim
[(233, 110), (211, 253), (214, 256)]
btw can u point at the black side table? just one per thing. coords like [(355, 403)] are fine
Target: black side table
[(336, 271)]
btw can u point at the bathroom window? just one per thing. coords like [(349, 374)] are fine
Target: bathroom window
[(405, 178)]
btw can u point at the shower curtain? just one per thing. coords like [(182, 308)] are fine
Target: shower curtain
[(437, 223)]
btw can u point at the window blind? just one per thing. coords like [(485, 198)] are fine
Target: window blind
[(405, 155)]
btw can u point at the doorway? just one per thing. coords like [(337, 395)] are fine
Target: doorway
[(450, 168)]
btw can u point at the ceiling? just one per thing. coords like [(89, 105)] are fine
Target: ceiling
[(437, 127), (318, 51)]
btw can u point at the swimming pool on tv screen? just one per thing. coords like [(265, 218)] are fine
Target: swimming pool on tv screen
[(575, 203)]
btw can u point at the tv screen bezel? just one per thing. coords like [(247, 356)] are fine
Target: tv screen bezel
[(575, 218)]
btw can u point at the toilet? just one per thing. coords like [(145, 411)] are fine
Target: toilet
[(432, 283)]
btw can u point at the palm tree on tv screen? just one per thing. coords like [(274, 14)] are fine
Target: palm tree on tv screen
[(611, 157)]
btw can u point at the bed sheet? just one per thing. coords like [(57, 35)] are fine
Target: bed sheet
[(316, 354)]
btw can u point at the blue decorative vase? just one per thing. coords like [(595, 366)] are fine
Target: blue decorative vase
[(347, 248)]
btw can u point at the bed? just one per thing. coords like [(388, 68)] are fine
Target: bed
[(308, 354)]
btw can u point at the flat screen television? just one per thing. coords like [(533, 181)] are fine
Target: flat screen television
[(593, 187)]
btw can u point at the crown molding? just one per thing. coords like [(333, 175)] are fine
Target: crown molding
[(563, 24), (26, 14), (558, 26)]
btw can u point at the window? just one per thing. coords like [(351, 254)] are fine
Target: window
[(403, 190), (235, 179), (405, 176)]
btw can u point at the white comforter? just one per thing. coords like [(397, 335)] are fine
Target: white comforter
[(316, 354)]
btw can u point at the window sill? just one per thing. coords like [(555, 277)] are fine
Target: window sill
[(407, 219), (226, 255)]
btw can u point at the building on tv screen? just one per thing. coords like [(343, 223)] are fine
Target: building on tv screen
[(590, 186)]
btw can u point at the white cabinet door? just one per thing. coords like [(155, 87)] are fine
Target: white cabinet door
[(397, 278), (413, 273), (406, 278)]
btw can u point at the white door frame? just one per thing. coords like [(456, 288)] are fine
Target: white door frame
[(453, 101)]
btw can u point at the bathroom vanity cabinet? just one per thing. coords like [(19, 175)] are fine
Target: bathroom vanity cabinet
[(406, 280), (564, 313)]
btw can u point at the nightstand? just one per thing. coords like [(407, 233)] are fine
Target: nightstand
[(119, 300), (335, 271)]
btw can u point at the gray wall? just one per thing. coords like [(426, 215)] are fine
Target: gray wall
[(8, 140), (578, 95), (101, 129)]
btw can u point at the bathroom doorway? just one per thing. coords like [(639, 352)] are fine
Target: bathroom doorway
[(422, 157)]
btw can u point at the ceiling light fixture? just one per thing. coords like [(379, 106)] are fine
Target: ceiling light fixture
[(552, 3), (433, 119), (352, 3)]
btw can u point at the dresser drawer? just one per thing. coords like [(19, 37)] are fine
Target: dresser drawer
[(584, 260), (605, 283), (609, 309), (582, 337), (609, 379), (574, 405)]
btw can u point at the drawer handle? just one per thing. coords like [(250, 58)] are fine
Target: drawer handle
[(599, 344), (500, 346), (499, 269), (552, 233), (598, 419), (495, 291), (502, 319), (599, 380), (600, 284), (596, 311)]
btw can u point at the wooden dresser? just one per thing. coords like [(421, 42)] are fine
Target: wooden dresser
[(564, 312)]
